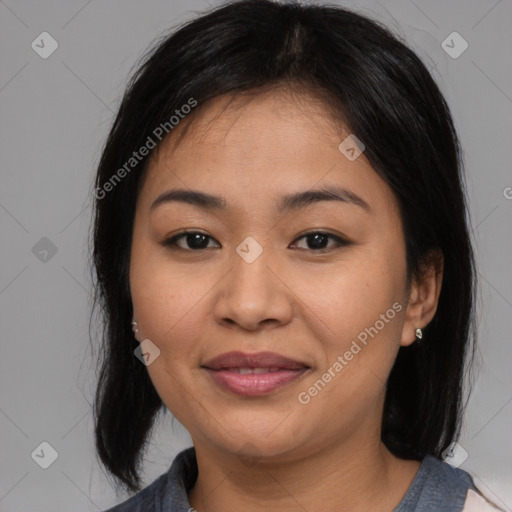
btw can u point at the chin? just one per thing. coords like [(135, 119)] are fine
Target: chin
[(266, 441)]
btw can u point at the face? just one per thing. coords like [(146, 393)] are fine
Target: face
[(319, 283)]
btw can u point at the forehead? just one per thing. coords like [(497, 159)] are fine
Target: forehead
[(259, 146), (245, 121)]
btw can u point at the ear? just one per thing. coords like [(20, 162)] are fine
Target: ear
[(423, 296)]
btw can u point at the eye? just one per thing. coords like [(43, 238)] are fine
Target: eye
[(318, 240), (194, 240)]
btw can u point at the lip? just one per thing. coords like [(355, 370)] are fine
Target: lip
[(224, 370)]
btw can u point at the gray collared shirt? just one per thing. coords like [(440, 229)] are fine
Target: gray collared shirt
[(436, 487)]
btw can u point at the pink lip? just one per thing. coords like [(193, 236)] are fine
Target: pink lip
[(224, 371)]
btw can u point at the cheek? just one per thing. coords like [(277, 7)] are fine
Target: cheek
[(168, 301), (356, 312), (171, 308), (346, 299)]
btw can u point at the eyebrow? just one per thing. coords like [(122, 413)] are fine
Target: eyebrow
[(287, 202)]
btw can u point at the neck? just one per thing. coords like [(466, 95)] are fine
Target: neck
[(350, 477)]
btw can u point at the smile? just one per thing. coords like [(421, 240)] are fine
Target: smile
[(253, 374)]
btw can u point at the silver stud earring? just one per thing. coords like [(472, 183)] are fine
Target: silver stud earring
[(419, 334), (135, 328)]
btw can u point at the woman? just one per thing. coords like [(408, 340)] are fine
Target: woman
[(281, 220)]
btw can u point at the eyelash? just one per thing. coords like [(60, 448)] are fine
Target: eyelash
[(170, 243)]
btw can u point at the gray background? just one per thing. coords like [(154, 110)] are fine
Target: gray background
[(54, 116)]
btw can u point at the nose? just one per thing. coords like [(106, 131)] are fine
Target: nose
[(252, 296)]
